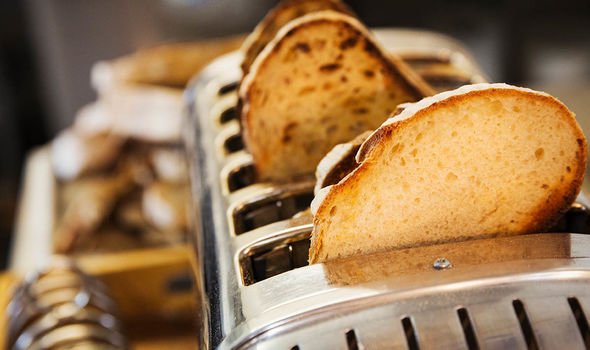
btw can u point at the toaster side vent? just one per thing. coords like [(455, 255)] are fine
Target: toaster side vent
[(240, 177), (233, 143), (525, 325), (581, 320), (227, 88), (351, 340), (468, 330), (228, 114), (410, 333), (269, 210)]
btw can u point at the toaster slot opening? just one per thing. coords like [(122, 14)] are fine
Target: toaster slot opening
[(575, 220), (227, 88), (260, 263), (241, 176), (272, 209), (234, 143), (228, 114)]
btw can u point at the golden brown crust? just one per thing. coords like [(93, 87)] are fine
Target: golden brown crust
[(545, 215), (557, 204)]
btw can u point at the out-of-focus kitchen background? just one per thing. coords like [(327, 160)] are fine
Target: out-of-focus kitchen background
[(47, 48)]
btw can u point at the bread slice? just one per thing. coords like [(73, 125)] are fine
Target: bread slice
[(322, 81), (275, 19), (480, 161)]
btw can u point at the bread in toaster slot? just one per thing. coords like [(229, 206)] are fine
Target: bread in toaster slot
[(484, 160), (321, 81)]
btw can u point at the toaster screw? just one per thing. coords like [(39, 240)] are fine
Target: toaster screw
[(442, 264)]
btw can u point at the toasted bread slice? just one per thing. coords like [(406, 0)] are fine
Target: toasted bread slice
[(322, 81), (275, 19), (480, 161)]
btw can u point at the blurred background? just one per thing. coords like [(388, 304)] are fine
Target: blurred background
[(47, 48)]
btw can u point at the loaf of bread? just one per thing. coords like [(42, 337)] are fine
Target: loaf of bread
[(480, 161), (322, 81), (275, 19)]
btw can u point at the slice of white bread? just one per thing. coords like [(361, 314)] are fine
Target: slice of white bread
[(275, 19), (480, 161), (322, 81)]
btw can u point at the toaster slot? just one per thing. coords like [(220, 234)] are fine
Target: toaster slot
[(227, 88), (233, 143), (265, 211), (575, 220), (228, 114), (262, 262), (229, 140), (241, 176)]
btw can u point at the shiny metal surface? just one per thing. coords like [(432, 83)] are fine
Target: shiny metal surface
[(256, 292), (61, 306)]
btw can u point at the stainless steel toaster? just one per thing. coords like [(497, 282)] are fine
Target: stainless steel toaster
[(251, 244)]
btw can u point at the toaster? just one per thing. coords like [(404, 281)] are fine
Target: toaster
[(251, 243)]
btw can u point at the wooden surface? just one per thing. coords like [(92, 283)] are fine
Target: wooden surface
[(7, 283), (141, 282), (159, 336)]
